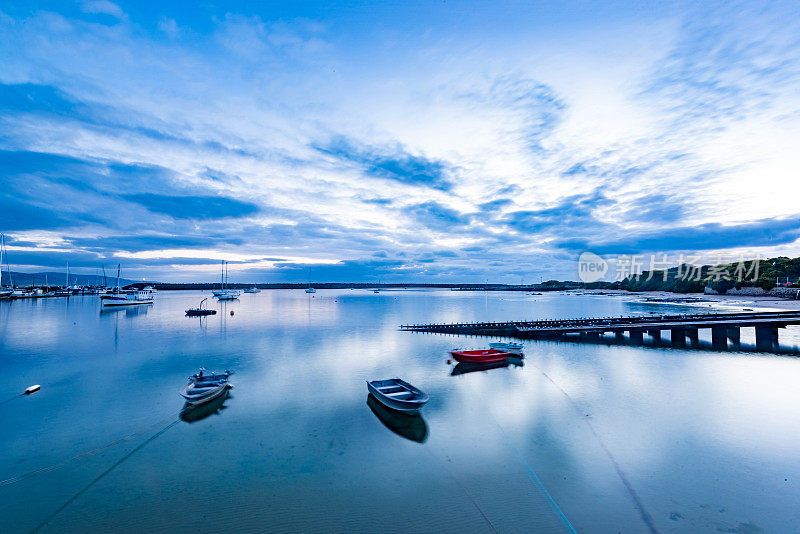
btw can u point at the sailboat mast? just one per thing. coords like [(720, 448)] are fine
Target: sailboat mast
[(118, 265), (8, 265)]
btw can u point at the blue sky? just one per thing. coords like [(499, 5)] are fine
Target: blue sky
[(416, 141)]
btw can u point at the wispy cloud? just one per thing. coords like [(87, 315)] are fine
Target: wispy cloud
[(376, 148)]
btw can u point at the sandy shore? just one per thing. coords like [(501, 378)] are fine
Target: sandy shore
[(701, 300)]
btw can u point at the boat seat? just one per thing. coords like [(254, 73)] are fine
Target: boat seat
[(397, 393)]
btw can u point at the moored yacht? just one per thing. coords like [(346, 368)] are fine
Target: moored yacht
[(128, 298), (224, 293)]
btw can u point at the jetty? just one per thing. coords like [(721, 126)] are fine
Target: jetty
[(682, 328)]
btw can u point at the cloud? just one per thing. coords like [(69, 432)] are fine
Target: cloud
[(18, 215), (391, 163), (103, 7), (714, 236), (437, 217), (112, 244), (309, 136), (193, 207)]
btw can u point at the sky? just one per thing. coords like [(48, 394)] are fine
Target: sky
[(395, 141)]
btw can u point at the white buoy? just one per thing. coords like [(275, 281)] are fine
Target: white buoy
[(32, 389)]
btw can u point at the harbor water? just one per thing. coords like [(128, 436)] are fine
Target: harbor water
[(590, 437)]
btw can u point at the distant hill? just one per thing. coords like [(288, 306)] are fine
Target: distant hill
[(58, 279)]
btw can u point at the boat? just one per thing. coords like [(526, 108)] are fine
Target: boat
[(311, 290), (9, 291), (408, 425), (201, 393), (114, 293), (509, 346), (225, 293), (253, 289), (397, 394), (203, 387), (200, 311), (128, 298), (480, 356), (4, 293)]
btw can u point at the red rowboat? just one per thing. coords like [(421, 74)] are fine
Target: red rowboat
[(480, 356)]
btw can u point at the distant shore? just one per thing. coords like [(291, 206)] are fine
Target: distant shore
[(703, 300)]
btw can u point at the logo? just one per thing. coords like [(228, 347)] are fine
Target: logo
[(591, 267)]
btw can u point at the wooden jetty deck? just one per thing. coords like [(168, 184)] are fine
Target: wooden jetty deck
[(724, 327)]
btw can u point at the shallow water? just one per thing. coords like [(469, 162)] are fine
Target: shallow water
[(614, 437)]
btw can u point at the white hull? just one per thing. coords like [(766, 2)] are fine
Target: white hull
[(194, 400), (125, 302), (227, 294), (512, 348)]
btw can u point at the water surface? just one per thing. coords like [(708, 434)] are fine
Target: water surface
[(595, 437)]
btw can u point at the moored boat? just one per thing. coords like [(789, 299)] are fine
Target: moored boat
[(200, 311), (203, 387), (200, 393), (253, 289), (507, 346), (480, 356), (311, 290), (397, 394), (128, 298), (224, 292)]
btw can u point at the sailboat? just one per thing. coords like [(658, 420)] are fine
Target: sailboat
[(4, 293), (310, 289), (223, 293), (127, 298), (64, 292)]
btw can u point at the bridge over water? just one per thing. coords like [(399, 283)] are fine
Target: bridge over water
[(682, 328)]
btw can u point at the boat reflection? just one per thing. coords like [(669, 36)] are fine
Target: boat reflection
[(408, 425), (471, 367), (191, 414), (130, 311)]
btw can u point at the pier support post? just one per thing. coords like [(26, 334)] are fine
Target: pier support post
[(677, 337), (637, 336), (735, 335), (693, 336), (767, 338), (656, 335), (619, 336), (592, 336), (719, 338)]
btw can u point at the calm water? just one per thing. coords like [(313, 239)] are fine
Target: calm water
[(613, 437)]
